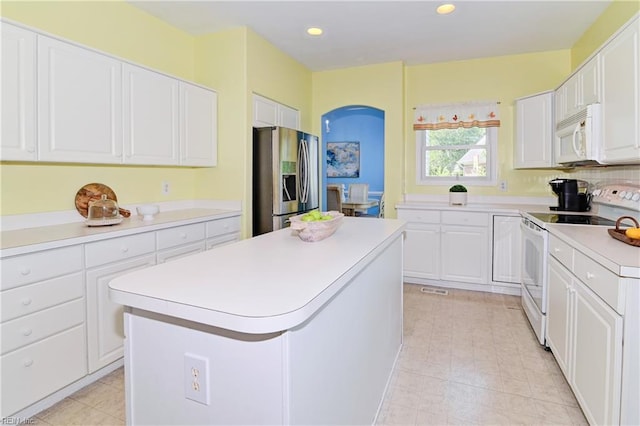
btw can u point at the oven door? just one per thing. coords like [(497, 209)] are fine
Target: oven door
[(534, 275)]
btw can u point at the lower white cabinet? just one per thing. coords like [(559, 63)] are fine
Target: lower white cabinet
[(585, 335), (507, 246), (105, 330), (464, 253), (422, 251)]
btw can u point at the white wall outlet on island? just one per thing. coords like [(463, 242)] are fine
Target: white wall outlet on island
[(196, 378)]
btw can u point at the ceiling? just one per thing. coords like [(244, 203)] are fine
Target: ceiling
[(369, 32)]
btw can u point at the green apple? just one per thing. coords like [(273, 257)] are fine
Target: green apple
[(307, 218), (327, 217), (316, 214)]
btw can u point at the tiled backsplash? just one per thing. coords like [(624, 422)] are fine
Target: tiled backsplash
[(596, 175)]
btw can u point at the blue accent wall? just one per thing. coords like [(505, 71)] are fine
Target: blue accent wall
[(362, 124)]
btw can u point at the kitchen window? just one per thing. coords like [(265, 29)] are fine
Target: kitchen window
[(457, 143)]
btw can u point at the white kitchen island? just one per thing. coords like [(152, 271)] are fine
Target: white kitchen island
[(269, 330)]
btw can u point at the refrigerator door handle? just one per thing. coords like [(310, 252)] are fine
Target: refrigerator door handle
[(304, 171)]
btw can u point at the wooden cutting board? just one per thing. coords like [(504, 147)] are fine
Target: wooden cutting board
[(92, 192)]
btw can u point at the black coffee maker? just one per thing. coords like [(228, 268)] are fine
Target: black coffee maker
[(572, 195)]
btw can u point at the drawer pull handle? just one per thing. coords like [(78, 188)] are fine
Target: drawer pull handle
[(26, 301), (590, 275), (27, 332), (25, 271), (125, 249), (183, 235), (27, 362), (556, 250)]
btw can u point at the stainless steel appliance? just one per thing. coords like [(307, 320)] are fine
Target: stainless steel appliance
[(611, 201), (579, 137), (573, 195), (285, 176)]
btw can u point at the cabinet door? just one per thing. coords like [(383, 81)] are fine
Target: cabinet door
[(105, 330), (621, 97), (422, 251), (198, 126), (558, 314), (572, 96), (507, 246), (590, 82), (151, 115), (264, 112), (597, 357), (288, 117), (464, 254), (534, 131), (79, 104), (18, 68)]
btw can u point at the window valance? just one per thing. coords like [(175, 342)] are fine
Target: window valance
[(453, 116)]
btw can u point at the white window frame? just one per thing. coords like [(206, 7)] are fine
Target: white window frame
[(491, 179)]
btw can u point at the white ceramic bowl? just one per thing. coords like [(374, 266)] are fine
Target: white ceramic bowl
[(148, 211)]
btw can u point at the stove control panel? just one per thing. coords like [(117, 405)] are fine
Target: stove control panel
[(625, 195)]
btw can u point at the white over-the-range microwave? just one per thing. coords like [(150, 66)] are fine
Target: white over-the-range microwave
[(579, 137)]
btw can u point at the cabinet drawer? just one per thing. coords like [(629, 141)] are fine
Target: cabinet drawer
[(42, 265), (599, 279), (114, 249), (223, 226), (428, 216), (28, 299), (31, 328), (180, 235), (465, 218), (35, 371), (221, 240), (561, 251)]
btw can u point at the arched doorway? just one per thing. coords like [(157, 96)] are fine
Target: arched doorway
[(364, 125)]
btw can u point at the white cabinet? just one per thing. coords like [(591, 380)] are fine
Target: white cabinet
[(151, 114), (270, 113), (174, 243), (507, 247), (198, 126), (106, 260), (579, 90), (222, 231), (18, 122), (42, 325), (585, 333), (621, 96), (534, 131), (446, 246), (79, 104)]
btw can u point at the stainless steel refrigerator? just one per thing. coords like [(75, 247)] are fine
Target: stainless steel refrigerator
[(285, 176)]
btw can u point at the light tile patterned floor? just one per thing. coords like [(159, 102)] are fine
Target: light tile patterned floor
[(468, 358)]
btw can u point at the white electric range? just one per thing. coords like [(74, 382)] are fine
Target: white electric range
[(609, 202)]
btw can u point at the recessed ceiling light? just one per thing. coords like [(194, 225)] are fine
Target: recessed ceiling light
[(445, 9), (314, 31)]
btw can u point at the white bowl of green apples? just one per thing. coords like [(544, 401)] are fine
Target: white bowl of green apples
[(315, 225)]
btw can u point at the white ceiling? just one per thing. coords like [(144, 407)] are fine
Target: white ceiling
[(369, 32)]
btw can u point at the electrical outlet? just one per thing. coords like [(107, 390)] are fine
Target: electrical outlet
[(165, 187), (196, 378), (503, 185)]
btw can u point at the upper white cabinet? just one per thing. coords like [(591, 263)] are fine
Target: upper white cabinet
[(79, 99), (18, 70), (270, 113), (534, 131), (621, 96), (581, 89), (151, 117), (62, 102), (198, 126)]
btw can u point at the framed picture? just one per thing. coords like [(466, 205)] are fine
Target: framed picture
[(343, 159)]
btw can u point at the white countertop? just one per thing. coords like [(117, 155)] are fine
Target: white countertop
[(595, 242), (265, 284), (497, 208), (27, 240)]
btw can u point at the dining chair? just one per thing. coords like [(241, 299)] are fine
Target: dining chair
[(380, 209), (334, 198), (359, 191)]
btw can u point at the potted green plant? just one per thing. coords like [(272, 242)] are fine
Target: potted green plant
[(457, 195)]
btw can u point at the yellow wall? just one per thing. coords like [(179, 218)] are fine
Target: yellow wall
[(122, 30), (616, 15), (380, 86), (500, 78)]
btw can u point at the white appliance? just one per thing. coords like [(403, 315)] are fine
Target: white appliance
[(611, 200), (578, 138)]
